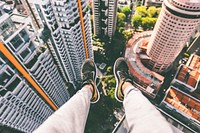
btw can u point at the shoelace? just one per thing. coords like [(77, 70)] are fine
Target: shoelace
[(87, 74), (123, 74)]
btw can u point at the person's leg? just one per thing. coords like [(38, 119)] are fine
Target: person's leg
[(141, 115), (72, 116)]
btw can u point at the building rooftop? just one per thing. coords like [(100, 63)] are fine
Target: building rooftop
[(189, 75), (149, 81), (185, 107), (194, 62)]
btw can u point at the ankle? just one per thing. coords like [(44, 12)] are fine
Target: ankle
[(125, 85), (89, 86)]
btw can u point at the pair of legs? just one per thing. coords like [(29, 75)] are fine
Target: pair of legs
[(141, 115)]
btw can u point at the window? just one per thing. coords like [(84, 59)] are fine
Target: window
[(25, 53), (16, 42)]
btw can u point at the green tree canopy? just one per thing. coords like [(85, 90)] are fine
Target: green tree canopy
[(145, 17), (119, 9), (142, 11), (148, 23), (158, 11), (111, 93), (109, 69), (136, 21), (127, 34), (152, 11), (121, 21), (126, 10)]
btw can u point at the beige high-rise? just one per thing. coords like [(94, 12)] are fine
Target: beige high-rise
[(176, 22)]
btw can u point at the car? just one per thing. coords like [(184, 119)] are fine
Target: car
[(102, 66)]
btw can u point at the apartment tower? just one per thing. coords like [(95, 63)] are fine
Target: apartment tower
[(31, 87), (177, 21), (69, 28), (104, 17)]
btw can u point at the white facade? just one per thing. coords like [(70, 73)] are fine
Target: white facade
[(104, 17), (177, 21), (70, 40), (21, 105)]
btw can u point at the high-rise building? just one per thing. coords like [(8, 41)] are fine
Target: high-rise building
[(177, 21), (149, 3), (69, 28), (31, 87), (105, 17)]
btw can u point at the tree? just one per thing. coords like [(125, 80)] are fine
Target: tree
[(120, 19), (120, 29), (148, 23), (142, 11), (145, 23), (127, 34), (126, 10), (109, 69), (111, 93), (119, 9), (115, 48), (136, 21), (152, 11), (158, 11), (153, 22)]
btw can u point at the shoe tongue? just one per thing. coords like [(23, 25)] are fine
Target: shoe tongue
[(88, 75)]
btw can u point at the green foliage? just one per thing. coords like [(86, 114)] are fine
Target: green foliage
[(142, 11), (111, 83), (186, 54), (145, 17), (121, 20), (152, 11), (109, 69), (97, 41), (139, 2), (126, 10), (120, 29), (158, 10), (131, 6), (94, 36), (136, 21), (88, 7), (111, 93), (119, 9), (148, 23), (127, 34), (115, 48)]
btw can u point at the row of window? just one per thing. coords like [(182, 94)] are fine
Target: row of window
[(186, 5)]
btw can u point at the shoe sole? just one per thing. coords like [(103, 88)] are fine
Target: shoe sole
[(117, 83), (94, 80)]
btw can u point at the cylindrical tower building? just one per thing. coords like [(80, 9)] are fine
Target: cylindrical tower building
[(176, 22)]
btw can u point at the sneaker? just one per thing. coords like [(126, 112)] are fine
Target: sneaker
[(121, 72), (88, 75)]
